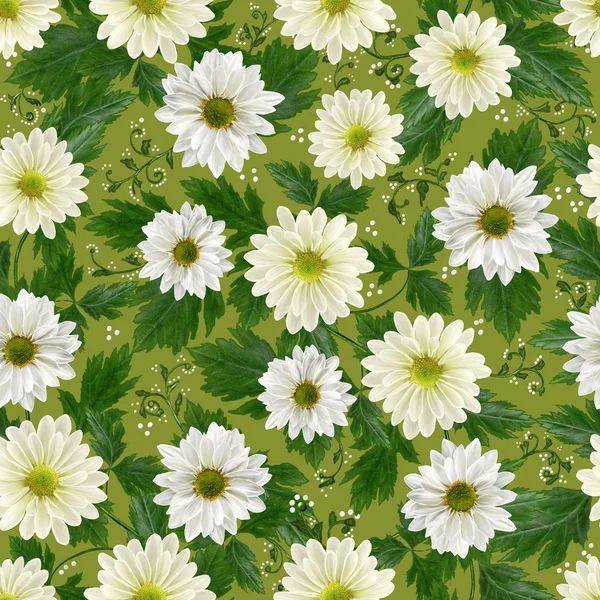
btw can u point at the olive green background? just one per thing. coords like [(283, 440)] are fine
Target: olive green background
[(473, 137)]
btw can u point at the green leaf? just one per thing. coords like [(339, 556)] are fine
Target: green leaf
[(92, 531), (196, 416), (315, 452), (320, 337), (30, 549), (148, 79), (423, 247), (214, 309), (147, 517), (252, 309), (432, 7), (240, 559), (366, 425), (385, 261), (243, 360), (388, 551), (298, 182), (573, 156), (103, 301), (71, 590), (372, 328), (287, 475), (4, 261), (554, 338), (136, 474), (431, 294), (254, 408), (504, 582), (214, 37), (528, 9), (428, 575), (564, 377), (343, 199), (506, 305), (84, 144), (579, 248), (213, 561), (108, 434)]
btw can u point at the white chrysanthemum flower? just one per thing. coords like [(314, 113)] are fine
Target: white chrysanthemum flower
[(48, 481), (590, 478), (587, 351), (20, 580), (306, 393), (147, 25), (583, 583), (307, 268), (424, 374), (464, 63), (590, 182), (337, 572), (333, 24), (21, 22), (186, 251), (493, 220), (458, 499), (355, 136), (213, 482), (215, 110), (157, 572), (36, 349), (39, 184), (583, 19)]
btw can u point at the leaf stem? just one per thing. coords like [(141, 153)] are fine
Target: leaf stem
[(86, 551), (472, 569), (343, 337), (365, 310), (17, 254), (118, 521)]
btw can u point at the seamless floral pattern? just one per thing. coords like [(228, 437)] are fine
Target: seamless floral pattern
[(299, 300)]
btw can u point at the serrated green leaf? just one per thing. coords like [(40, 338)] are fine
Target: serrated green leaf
[(554, 338), (504, 582), (102, 301), (196, 416), (320, 337), (148, 79), (344, 199), (214, 309), (423, 247), (366, 426), (136, 474), (573, 156), (297, 181), (147, 517), (252, 309), (241, 560), (528, 9), (580, 248), (108, 436), (431, 294), (385, 261), (388, 551), (213, 562), (71, 590)]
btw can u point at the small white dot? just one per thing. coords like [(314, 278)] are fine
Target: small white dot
[(117, 332), (109, 337), (108, 328)]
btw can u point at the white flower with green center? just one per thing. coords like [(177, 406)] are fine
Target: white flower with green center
[(158, 571), (333, 24), (305, 392), (336, 572), (35, 349), (21, 22), (583, 583), (39, 183), (216, 111), (424, 374), (355, 136), (463, 63), (494, 220), (590, 183), (590, 478), (20, 580), (185, 250), (458, 499), (307, 268), (583, 19), (48, 481), (147, 25), (213, 482)]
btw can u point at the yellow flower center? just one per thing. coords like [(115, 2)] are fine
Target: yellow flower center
[(460, 496), (335, 6), (9, 9), (7, 596), (150, 7), (20, 351), (307, 395), (42, 481), (210, 484), (186, 253), (335, 591), (32, 183), (464, 61), (596, 7), (425, 372), (496, 221), (149, 591), (218, 113), (308, 266), (357, 137)]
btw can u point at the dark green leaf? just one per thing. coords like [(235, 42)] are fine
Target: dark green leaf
[(136, 474), (71, 590), (148, 517), (213, 561), (214, 309), (103, 301), (108, 436), (423, 247), (573, 156), (241, 560), (366, 425), (385, 261), (148, 79), (343, 199), (252, 309), (388, 551), (297, 181), (196, 416), (579, 248), (503, 582), (554, 338), (432, 295)]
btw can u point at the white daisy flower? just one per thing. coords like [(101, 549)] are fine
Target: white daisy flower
[(307, 268), (36, 349), (147, 25), (583, 19), (458, 499), (39, 184), (213, 482), (157, 572), (215, 110), (21, 22), (20, 580), (306, 393), (337, 572), (493, 220), (186, 251), (590, 182), (333, 24), (590, 478), (48, 481), (424, 374), (583, 583), (355, 136), (464, 63)]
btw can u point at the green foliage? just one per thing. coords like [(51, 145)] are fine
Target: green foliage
[(385, 261), (241, 560), (148, 79), (108, 436), (372, 328), (320, 337), (580, 249), (30, 549), (553, 339), (196, 416), (344, 199), (315, 452), (71, 590), (573, 156), (102, 301), (366, 426), (213, 561), (252, 309), (147, 517), (422, 247), (388, 551), (503, 582), (506, 10), (431, 294), (297, 181), (136, 474)]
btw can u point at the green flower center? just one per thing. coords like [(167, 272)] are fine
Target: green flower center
[(149, 591), (307, 395), (460, 496), (335, 591), (335, 6), (596, 7), (357, 137), (150, 7), (32, 183), (7, 596), (9, 9), (464, 61), (210, 484), (42, 481), (186, 253), (19, 351), (218, 113), (496, 221), (308, 266), (425, 372)]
